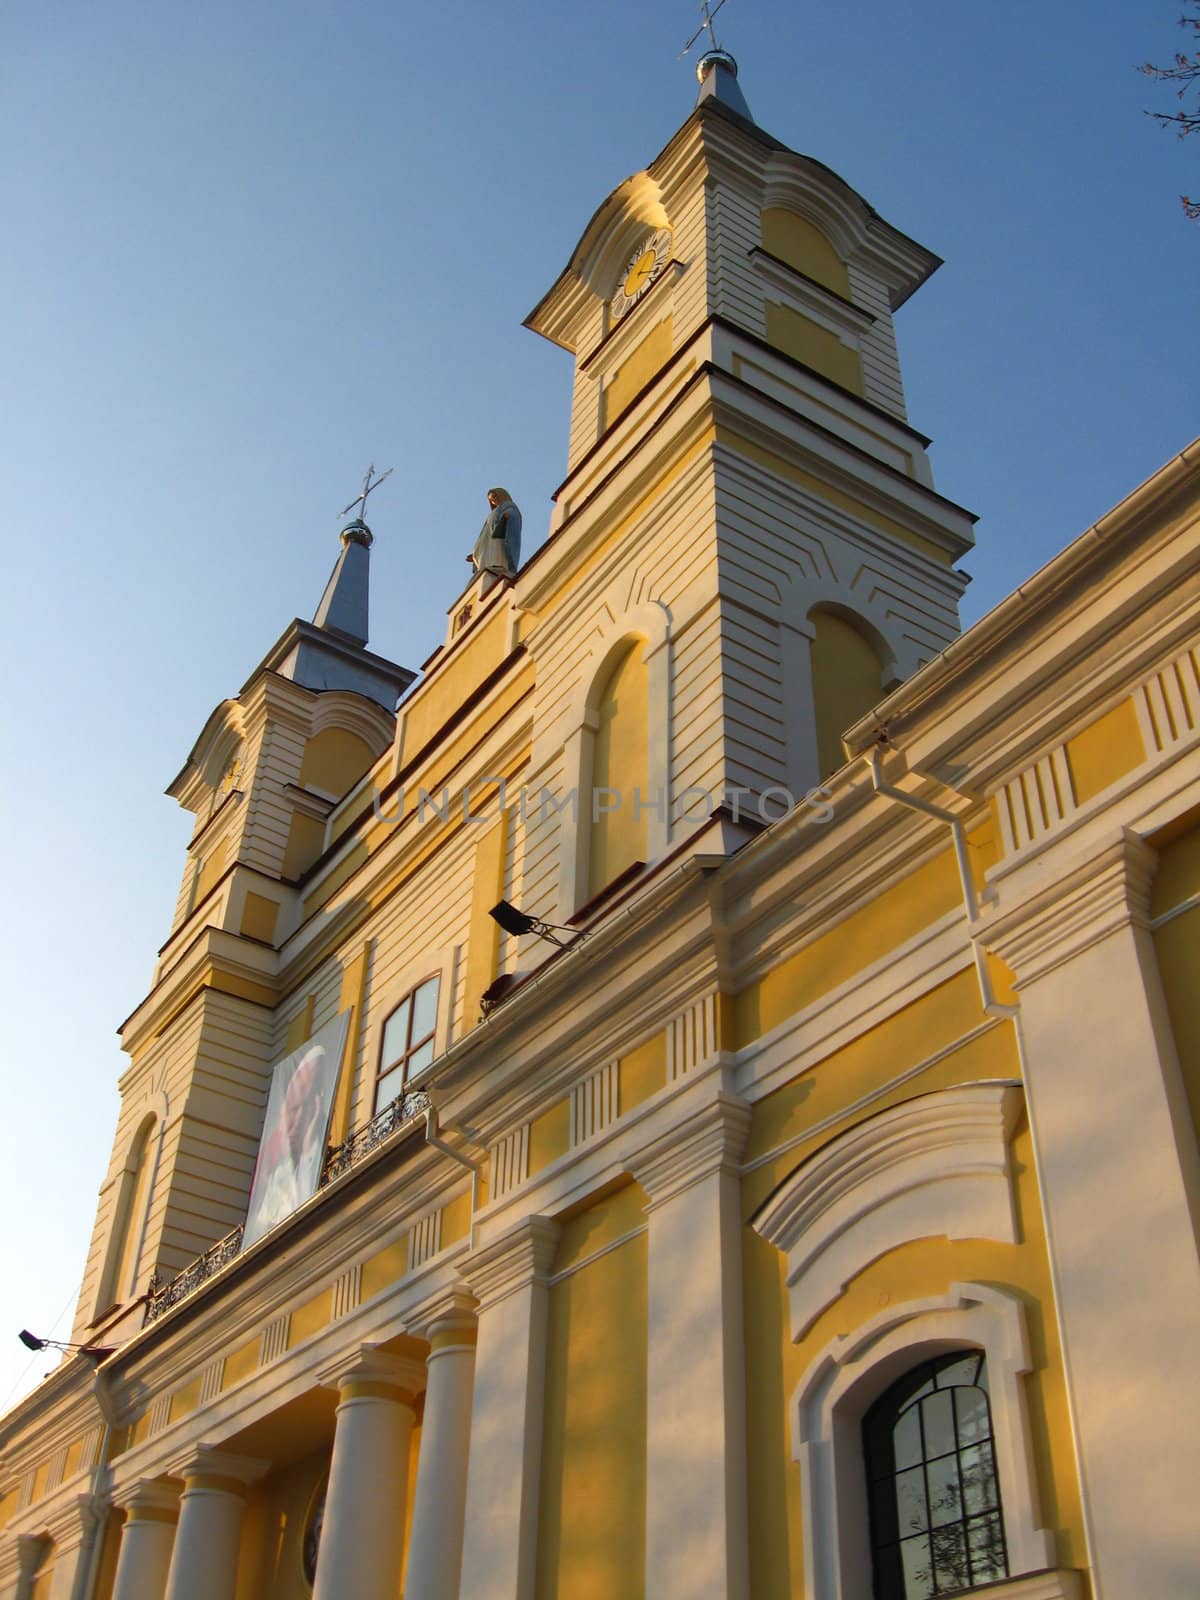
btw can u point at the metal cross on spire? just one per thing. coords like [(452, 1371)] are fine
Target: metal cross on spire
[(708, 12), (367, 488)]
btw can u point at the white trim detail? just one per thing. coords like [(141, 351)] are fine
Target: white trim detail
[(1035, 801), (1168, 704), (275, 1339), (691, 1037), (934, 1166), (425, 1239), (845, 1379), (509, 1162), (594, 1104)]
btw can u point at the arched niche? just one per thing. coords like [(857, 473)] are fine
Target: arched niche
[(851, 664)]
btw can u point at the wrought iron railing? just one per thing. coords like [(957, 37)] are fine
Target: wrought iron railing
[(164, 1295), (405, 1109)]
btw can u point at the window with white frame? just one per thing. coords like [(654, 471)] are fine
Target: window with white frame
[(408, 1041)]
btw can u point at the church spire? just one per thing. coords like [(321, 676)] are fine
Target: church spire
[(344, 605), (718, 75)]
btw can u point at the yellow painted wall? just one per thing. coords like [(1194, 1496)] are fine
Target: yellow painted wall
[(483, 945), (43, 1573), (549, 1136), (847, 682), (620, 760), (305, 842), (452, 681), (271, 1564), (591, 1528), (185, 1400), (211, 869), (774, 1367), (642, 1072), (891, 918), (835, 1087), (456, 1219), (803, 246), (8, 1506), (1106, 750), (806, 341), (259, 916), (300, 1027), (334, 761), (241, 1363), (110, 1549), (385, 1267), (310, 1318), (636, 371)]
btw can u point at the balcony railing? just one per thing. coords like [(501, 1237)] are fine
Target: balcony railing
[(403, 1111), (163, 1296)]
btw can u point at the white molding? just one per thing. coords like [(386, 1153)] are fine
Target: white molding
[(692, 1037), (594, 1104), (518, 1258), (1167, 704), (711, 1140), (851, 1372), (934, 1166), (508, 1162), (1093, 898)]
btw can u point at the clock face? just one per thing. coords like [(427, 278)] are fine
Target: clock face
[(642, 270)]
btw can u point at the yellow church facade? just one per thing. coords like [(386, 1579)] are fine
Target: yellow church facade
[(806, 1204)]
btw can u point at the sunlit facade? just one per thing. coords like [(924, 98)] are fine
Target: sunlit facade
[(807, 1206)]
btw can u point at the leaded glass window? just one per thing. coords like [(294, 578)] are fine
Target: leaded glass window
[(936, 1521)]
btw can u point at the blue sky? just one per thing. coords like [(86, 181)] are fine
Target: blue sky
[(253, 247)]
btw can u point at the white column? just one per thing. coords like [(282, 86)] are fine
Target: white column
[(74, 1528), (151, 1512), (204, 1557), (1120, 1178), (696, 1520), (508, 1277), (362, 1535), (435, 1546)]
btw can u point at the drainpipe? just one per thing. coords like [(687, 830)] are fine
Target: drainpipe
[(433, 1137), (992, 1007)]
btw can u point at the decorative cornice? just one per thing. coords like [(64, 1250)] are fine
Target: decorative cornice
[(71, 1521), (449, 1308), (369, 1365), (710, 1141), (937, 1165), (1108, 891), (204, 1461), (519, 1258), (146, 1494)]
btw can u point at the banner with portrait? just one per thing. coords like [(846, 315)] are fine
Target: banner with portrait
[(295, 1129)]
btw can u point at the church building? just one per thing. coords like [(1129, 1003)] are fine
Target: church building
[(695, 1094)]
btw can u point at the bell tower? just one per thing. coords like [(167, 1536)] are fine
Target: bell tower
[(740, 455), (262, 782)]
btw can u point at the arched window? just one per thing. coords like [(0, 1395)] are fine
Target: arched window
[(129, 1217), (936, 1522), (408, 1042)]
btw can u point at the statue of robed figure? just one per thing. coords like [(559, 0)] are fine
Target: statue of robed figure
[(498, 547)]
